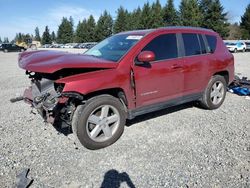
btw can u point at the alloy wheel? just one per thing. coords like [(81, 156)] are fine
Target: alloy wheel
[(103, 123), (217, 92)]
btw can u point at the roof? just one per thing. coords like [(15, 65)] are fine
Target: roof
[(146, 31)]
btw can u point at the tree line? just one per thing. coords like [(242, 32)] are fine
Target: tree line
[(198, 13)]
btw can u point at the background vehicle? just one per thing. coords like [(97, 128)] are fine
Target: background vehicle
[(236, 46), (90, 45), (127, 75), (7, 47), (247, 46)]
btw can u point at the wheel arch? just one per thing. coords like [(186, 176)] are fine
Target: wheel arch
[(115, 92), (225, 74)]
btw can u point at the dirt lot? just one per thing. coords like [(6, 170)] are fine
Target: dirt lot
[(180, 147)]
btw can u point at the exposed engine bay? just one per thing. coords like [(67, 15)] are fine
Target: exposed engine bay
[(47, 71), (47, 97)]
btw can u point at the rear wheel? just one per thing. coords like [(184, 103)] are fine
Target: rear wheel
[(100, 122), (215, 93), (243, 50), (235, 50)]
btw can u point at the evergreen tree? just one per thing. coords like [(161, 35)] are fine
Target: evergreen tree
[(245, 23), (1, 40), (6, 40), (90, 29), (81, 34), (146, 21), (19, 37), (122, 20), (71, 20), (65, 31), (37, 34), (156, 15), (78, 33), (190, 13), (104, 26), (214, 17), (134, 19), (53, 36), (46, 39), (170, 14)]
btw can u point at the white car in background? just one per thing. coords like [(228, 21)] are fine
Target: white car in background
[(236, 46), (69, 45)]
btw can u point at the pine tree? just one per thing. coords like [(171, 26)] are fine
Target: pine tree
[(156, 15), (122, 20), (78, 33), (46, 39), (90, 29), (37, 34), (214, 17), (245, 23), (170, 14), (65, 31), (104, 26), (146, 21), (190, 13), (6, 40), (134, 19), (53, 36)]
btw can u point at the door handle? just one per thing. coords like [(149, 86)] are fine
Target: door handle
[(175, 66)]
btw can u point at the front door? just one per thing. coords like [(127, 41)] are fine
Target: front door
[(162, 79)]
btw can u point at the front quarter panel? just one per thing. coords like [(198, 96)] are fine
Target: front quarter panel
[(95, 81)]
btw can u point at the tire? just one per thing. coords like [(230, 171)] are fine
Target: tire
[(21, 50), (91, 125), (244, 50), (5, 50), (217, 87), (235, 50)]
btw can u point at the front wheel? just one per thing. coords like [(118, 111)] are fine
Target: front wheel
[(99, 122), (215, 93)]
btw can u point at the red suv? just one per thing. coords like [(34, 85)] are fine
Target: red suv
[(127, 75)]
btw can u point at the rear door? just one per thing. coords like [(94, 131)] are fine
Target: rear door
[(162, 79), (195, 63)]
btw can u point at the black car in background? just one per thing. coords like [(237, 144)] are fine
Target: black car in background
[(6, 47)]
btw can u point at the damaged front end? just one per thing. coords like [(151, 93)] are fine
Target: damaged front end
[(45, 95)]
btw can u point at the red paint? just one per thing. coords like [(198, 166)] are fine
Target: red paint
[(163, 80)]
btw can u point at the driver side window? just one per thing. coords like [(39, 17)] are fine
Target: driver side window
[(163, 46)]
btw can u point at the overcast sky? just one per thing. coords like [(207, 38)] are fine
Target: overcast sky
[(23, 16)]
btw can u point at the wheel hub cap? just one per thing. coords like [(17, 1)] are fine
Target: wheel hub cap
[(103, 123), (217, 92)]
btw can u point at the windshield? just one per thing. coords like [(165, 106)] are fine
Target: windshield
[(115, 47)]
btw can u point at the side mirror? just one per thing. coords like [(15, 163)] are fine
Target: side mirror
[(146, 57)]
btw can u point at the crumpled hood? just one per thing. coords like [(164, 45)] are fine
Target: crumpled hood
[(44, 61)]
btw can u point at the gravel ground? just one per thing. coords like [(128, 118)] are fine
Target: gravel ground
[(179, 147)]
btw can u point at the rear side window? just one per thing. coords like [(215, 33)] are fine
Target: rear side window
[(191, 44), (163, 46), (211, 40), (202, 45)]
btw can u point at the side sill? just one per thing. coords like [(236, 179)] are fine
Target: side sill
[(159, 106)]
